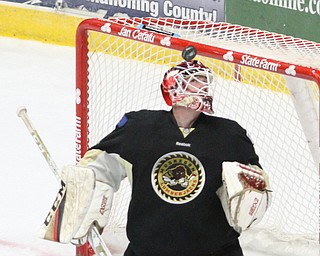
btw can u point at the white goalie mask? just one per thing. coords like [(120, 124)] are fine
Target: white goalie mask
[(189, 84)]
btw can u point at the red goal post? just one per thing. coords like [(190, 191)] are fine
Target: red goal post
[(268, 82)]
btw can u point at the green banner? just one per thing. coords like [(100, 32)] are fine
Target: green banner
[(298, 18)]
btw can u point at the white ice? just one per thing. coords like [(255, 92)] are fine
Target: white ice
[(42, 78)]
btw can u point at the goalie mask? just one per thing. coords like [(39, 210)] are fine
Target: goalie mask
[(189, 84)]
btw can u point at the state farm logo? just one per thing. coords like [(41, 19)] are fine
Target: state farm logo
[(258, 63)]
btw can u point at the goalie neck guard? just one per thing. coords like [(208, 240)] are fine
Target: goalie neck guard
[(189, 84)]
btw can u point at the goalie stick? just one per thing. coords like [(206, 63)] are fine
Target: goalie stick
[(94, 236)]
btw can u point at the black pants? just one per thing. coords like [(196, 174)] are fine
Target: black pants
[(233, 249)]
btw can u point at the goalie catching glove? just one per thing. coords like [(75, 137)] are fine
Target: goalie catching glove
[(81, 202), (245, 194)]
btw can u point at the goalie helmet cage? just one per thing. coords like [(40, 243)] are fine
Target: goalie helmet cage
[(267, 82)]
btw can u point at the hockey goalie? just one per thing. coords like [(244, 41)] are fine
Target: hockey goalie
[(245, 194), (175, 177)]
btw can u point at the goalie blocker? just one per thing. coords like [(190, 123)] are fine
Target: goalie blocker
[(82, 201), (245, 194)]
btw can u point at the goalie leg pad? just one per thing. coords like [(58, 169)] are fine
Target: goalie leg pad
[(70, 206)]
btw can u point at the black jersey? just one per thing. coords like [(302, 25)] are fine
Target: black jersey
[(174, 208)]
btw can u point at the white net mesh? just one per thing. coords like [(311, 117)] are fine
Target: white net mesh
[(125, 75)]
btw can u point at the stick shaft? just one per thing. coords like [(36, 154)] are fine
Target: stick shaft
[(22, 113)]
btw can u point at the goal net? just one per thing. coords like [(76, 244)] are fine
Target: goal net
[(268, 83)]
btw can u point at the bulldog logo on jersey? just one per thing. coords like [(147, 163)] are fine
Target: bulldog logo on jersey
[(178, 177)]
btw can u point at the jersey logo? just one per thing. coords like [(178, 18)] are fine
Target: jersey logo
[(178, 177)]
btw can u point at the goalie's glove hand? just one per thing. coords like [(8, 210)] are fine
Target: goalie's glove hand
[(253, 177), (245, 194)]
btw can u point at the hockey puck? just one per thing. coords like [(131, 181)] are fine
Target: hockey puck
[(189, 53)]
